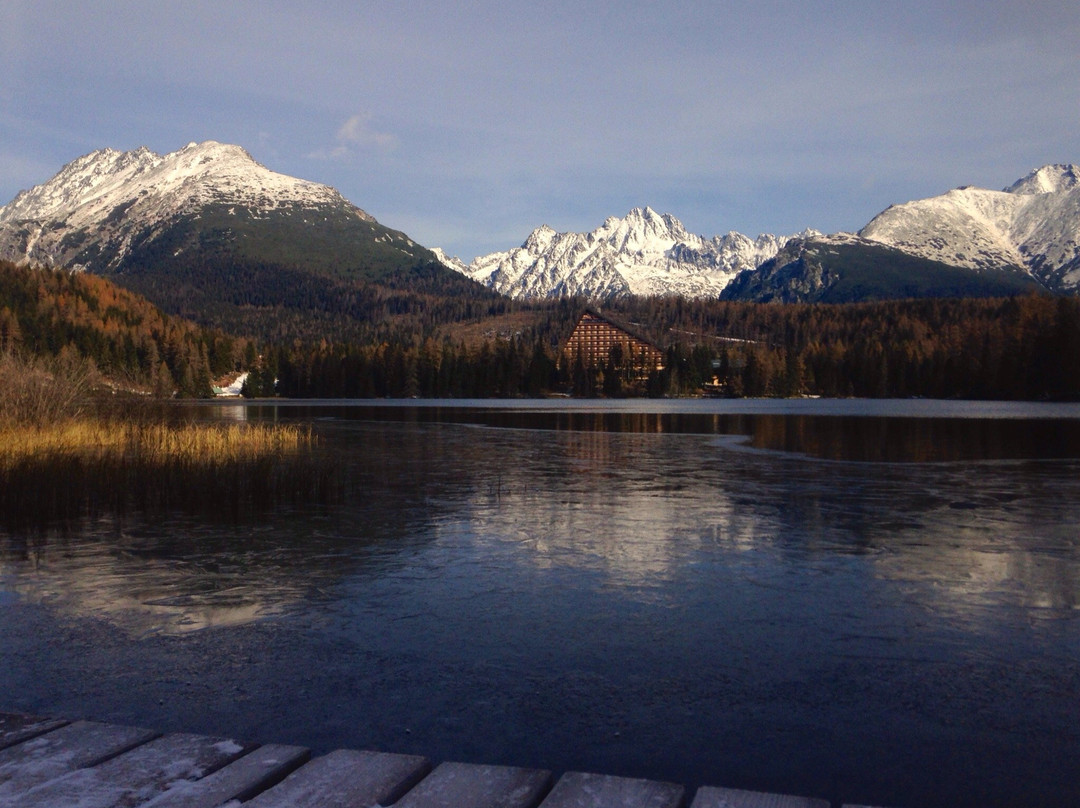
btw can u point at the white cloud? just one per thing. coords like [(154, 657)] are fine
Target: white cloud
[(357, 131), (354, 135)]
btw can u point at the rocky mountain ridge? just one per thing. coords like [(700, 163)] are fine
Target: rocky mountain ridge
[(643, 253), (192, 219), (846, 268)]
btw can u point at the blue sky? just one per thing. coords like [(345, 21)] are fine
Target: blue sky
[(468, 124)]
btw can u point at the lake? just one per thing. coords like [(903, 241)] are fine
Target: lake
[(866, 601)]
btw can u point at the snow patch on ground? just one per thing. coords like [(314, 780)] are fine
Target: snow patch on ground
[(233, 388)]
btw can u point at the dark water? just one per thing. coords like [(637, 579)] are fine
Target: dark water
[(871, 602)]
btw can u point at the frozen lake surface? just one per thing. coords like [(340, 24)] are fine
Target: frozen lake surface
[(864, 601)]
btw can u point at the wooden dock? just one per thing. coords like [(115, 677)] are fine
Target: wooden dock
[(52, 763)]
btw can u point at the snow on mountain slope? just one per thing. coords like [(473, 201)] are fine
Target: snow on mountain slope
[(1032, 226), (643, 253), (1047, 180), (109, 197), (110, 210)]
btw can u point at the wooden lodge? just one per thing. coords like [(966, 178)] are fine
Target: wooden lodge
[(595, 335)]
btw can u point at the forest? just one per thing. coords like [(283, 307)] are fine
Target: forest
[(428, 344), (52, 313), (1023, 348)]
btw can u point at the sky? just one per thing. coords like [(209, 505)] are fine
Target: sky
[(467, 125)]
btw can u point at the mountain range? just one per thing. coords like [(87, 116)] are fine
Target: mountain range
[(969, 241), (644, 253), (208, 229)]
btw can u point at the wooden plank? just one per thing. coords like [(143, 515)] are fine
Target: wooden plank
[(75, 746), (345, 779), (240, 780), (709, 797), (457, 785), (18, 727), (137, 776), (579, 790)]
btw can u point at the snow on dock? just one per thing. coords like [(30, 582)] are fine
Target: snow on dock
[(45, 763)]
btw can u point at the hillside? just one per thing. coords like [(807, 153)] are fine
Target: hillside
[(47, 313)]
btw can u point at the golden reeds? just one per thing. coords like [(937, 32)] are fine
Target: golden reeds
[(81, 467), (189, 444)]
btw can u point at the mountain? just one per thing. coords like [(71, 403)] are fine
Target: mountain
[(643, 253), (844, 268), (101, 210), (1033, 227), (209, 233), (969, 241)]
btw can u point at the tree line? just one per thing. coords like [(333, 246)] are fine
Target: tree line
[(1020, 348)]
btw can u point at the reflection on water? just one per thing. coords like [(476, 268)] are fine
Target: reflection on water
[(145, 582), (185, 573), (861, 431), (716, 597)]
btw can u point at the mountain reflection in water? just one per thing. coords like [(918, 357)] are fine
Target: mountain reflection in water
[(792, 597)]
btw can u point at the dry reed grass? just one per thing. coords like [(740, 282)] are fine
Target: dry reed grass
[(83, 467), (66, 454), (191, 444)]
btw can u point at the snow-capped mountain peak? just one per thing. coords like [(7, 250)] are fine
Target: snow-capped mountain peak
[(1033, 226), (539, 240), (642, 253), (107, 198), (199, 172), (643, 231), (81, 181), (1050, 179)]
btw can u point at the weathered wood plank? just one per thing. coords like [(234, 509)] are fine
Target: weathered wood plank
[(709, 797), (580, 790), (240, 780), (75, 746), (457, 785), (17, 727), (344, 779), (137, 776)]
